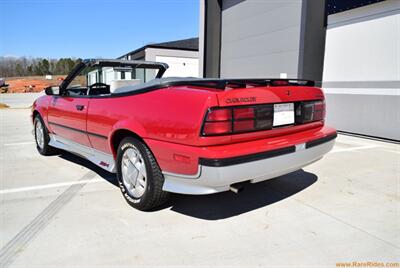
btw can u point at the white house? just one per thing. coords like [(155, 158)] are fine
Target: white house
[(182, 56)]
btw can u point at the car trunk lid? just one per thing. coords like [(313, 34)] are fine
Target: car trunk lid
[(250, 110)]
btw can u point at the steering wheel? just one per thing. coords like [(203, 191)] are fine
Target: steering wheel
[(98, 85)]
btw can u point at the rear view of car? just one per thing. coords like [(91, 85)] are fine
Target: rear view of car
[(256, 132), (181, 135)]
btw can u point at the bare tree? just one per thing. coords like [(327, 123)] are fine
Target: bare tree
[(23, 66)]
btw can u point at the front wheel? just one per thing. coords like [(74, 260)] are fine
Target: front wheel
[(42, 137), (139, 176)]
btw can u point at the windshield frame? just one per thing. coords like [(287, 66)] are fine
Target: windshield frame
[(134, 64)]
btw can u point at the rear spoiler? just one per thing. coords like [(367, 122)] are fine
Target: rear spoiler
[(242, 83)]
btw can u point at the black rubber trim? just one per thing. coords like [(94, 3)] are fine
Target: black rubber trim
[(245, 158), (223, 162), (79, 130), (320, 141)]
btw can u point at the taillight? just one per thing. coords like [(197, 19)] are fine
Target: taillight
[(218, 122), (224, 121), (310, 111), (219, 115), (243, 113), (217, 128)]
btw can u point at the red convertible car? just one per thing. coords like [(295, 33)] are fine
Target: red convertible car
[(181, 135)]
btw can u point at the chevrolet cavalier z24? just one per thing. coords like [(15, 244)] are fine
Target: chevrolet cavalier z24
[(181, 135)]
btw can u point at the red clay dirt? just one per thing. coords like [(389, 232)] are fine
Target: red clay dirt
[(31, 83)]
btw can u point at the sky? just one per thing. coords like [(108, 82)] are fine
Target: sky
[(92, 28)]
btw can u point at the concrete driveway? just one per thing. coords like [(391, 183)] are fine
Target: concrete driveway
[(63, 211), (19, 100)]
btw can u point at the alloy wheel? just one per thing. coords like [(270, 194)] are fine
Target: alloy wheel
[(134, 174)]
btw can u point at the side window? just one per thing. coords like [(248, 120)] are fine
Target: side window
[(102, 79), (78, 86), (140, 74), (89, 82)]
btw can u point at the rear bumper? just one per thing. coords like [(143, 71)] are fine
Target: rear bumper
[(216, 175)]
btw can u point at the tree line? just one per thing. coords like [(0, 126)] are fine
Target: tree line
[(23, 66)]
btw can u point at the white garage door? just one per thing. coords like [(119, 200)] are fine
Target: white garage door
[(180, 67)]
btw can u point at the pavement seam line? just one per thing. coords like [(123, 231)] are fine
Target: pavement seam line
[(337, 150), (20, 241), (47, 186), (19, 143)]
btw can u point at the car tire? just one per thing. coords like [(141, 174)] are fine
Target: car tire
[(42, 137), (139, 176)]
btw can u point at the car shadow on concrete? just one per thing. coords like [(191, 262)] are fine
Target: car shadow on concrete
[(107, 176), (254, 196), (222, 205)]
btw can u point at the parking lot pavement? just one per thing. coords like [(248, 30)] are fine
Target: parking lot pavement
[(63, 211), (19, 100)]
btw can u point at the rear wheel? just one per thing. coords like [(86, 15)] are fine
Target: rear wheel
[(139, 176), (42, 137)]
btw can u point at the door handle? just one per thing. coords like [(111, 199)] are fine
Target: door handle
[(80, 107)]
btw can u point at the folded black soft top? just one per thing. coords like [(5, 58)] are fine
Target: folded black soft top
[(220, 83)]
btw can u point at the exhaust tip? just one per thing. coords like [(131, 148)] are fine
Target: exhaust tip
[(236, 188)]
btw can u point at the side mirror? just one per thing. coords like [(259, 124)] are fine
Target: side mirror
[(54, 90)]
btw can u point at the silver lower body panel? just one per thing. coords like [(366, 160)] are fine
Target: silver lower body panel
[(103, 160), (218, 179)]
